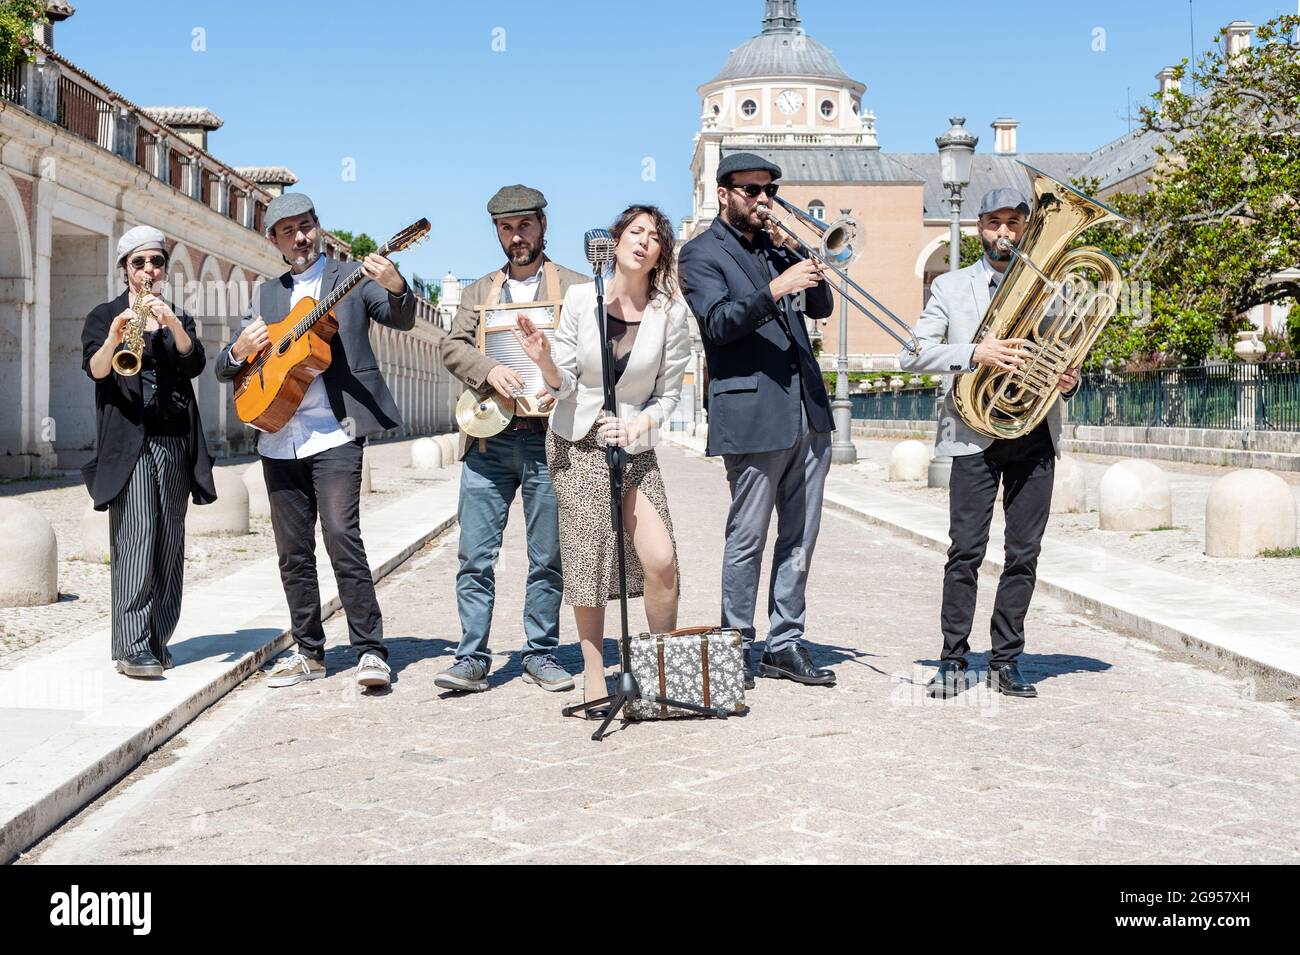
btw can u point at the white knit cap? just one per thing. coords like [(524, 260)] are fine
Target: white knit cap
[(141, 237)]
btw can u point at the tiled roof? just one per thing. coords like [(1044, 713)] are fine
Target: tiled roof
[(831, 163), (988, 171), (199, 116)]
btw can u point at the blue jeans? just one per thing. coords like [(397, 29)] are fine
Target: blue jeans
[(514, 460)]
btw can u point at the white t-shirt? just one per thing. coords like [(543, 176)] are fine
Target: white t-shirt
[(523, 290), (314, 427)]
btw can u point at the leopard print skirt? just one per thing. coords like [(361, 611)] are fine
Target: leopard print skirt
[(588, 552)]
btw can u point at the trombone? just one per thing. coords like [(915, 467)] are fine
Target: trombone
[(838, 248)]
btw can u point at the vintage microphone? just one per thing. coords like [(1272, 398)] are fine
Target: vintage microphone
[(598, 245)]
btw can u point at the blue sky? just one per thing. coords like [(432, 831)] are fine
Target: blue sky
[(584, 92)]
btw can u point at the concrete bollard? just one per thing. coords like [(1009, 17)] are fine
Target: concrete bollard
[(1070, 488), (96, 547), (426, 454), (909, 461), (366, 486), (1249, 511), (1134, 496), (228, 514), (450, 448), (939, 473), (259, 502), (29, 564)]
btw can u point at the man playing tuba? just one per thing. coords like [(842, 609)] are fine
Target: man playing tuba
[(1023, 466)]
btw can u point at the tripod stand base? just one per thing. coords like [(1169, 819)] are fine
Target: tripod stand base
[(628, 690)]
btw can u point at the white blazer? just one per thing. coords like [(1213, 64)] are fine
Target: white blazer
[(652, 382)]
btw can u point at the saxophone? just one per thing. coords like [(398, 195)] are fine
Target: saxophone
[(126, 360)]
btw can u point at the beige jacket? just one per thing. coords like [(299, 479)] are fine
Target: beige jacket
[(459, 349)]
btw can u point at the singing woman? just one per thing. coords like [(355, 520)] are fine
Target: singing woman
[(650, 343)]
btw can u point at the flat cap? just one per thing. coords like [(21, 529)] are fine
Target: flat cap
[(141, 237), (515, 200), (1004, 197), (746, 162), (287, 204)]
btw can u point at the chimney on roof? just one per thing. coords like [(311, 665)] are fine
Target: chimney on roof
[(1004, 136), (1169, 83), (1236, 39), (55, 11)]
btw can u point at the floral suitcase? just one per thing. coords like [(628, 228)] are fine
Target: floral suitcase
[(700, 665)]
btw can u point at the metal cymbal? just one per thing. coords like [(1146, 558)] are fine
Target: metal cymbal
[(483, 417)]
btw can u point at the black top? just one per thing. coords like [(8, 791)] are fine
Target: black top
[(621, 336), (166, 405), (121, 422)]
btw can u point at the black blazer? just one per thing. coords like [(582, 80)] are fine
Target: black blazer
[(753, 345), (356, 388), (119, 411)]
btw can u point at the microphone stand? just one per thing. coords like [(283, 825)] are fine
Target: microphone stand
[(615, 459)]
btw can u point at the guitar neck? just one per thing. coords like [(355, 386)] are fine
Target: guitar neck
[(326, 305)]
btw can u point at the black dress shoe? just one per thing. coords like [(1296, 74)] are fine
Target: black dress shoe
[(142, 664), (949, 681), (748, 657), (1007, 679), (793, 663)]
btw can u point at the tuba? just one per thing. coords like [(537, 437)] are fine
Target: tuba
[(1056, 297), (127, 358)]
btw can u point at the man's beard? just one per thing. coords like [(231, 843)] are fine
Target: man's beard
[(993, 252), (524, 253), (740, 220), (305, 258)]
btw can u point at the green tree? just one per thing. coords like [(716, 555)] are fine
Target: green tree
[(362, 244), (17, 17), (1220, 219)]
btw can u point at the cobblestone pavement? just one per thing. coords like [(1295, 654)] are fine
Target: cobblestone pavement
[(1130, 754)]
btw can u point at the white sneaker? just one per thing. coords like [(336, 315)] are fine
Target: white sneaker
[(294, 669), (373, 671)]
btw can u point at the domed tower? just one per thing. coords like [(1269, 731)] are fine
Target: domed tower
[(780, 87)]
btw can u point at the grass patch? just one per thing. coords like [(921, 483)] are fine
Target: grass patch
[(1280, 552)]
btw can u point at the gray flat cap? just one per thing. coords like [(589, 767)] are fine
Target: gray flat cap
[(1003, 197), (746, 162), (285, 205), (141, 237), (516, 200)]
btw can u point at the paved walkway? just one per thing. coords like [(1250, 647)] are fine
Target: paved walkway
[(1131, 753), (70, 725)]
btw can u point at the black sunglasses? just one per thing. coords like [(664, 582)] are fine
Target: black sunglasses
[(753, 189), (157, 261)]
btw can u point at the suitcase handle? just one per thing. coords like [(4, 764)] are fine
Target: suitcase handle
[(690, 631)]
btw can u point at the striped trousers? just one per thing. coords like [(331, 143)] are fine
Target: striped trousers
[(147, 548)]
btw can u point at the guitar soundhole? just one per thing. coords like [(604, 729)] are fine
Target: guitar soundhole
[(282, 347)]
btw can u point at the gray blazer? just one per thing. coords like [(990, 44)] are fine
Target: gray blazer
[(355, 387), (958, 301)]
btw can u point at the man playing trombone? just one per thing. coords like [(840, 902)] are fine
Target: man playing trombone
[(769, 415)]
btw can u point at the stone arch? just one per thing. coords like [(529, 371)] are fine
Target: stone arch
[(181, 272), (17, 357)]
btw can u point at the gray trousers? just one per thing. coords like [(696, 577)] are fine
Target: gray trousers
[(147, 548), (792, 481)]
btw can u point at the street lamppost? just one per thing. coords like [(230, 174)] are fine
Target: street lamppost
[(956, 152), (842, 449)]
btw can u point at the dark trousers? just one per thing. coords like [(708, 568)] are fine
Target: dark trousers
[(328, 484), (1025, 468), (147, 548)]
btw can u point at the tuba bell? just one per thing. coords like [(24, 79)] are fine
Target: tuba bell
[(1056, 297)]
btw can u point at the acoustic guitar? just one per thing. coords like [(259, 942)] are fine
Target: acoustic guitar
[(271, 385)]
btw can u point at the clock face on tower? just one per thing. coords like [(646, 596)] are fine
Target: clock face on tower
[(789, 101)]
